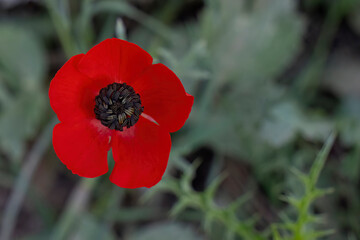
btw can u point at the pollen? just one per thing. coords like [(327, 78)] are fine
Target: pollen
[(118, 106)]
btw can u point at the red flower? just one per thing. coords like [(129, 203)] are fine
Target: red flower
[(114, 97)]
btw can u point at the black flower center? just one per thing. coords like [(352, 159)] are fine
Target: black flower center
[(118, 106)]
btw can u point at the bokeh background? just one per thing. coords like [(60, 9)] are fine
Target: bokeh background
[(273, 81)]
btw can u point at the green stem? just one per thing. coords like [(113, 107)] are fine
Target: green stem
[(308, 80), (62, 27), (21, 186), (310, 187), (76, 205), (128, 10), (207, 98)]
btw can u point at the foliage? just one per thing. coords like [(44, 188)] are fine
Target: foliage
[(300, 228), (266, 80), (23, 67)]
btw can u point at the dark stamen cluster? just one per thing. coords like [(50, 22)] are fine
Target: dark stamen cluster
[(118, 106)]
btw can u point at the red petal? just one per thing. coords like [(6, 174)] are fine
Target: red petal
[(141, 154), (82, 147), (115, 60), (63, 91), (164, 97), (72, 94)]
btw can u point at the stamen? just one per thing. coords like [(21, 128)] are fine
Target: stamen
[(118, 106)]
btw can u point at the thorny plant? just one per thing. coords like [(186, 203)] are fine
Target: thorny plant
[(303, 226)]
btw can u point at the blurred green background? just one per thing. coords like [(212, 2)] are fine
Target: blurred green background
[(273, 80)]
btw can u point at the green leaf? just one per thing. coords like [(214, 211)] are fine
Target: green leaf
[(288, 119), (22, 99), (275, 233), (90, 229), (166, 231), (22, 56), (321, 158), (180, 206), (19, 120), (214, 186), (251, 53)]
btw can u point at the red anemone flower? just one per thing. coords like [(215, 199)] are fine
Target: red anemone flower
[(114, 97)]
